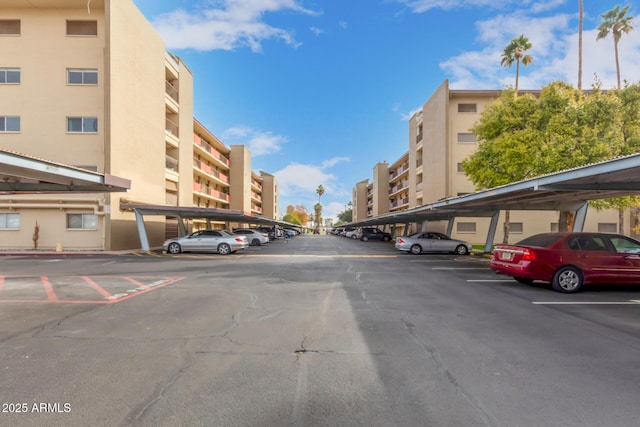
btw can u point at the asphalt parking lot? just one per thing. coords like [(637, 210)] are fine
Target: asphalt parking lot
[(316, 330)]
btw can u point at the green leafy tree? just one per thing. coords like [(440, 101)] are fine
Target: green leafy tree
[(615, 22), (515, 52), (523, 137), (317, 209)]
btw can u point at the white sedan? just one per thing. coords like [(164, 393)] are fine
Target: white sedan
[(219, 241), (430, 241), (254, 236)]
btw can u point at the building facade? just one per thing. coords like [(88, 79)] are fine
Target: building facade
[(92, 86), (439, 140)]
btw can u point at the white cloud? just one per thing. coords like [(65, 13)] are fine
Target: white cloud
[(317, 31), (554, 53), (298, 180), (227, 25), (258, 142)]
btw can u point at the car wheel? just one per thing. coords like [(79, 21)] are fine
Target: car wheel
[(364, 238), (255, 242), (461, 250), (224, 249), (567, 280), (523, 280), (174, 248), (386, 238), (416, 249), (354, 237)]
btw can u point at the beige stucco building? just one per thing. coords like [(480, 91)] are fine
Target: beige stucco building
[(91, 85), (439, 140)]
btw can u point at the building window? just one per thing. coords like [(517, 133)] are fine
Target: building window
[(9, 75), (10, 27), (467, 138), (467, 108), (607, 227), (82, 124), (466, 227), (516, 227), (82, 221), (460, 168), (82, 77), (9, 221), (82, 28), (9, 124)]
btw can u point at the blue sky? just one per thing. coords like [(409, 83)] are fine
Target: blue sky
[(322, 90)]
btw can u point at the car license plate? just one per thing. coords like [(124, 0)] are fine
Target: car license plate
[(507, 256)]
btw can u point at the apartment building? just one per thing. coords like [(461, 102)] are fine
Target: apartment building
[(439, 140), (91, 85)]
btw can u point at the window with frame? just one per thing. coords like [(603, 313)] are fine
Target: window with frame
[(516, 227), (466, 227), (10, 27), (79, 76), (467, 138), (82, 28), (82, 221), (607, 227), (9, 221), (467, 108), (82, 124), (460, 168), (9, 124), (9, 75)]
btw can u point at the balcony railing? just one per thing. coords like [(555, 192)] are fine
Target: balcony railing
[(172, 128), (256, 184), (209, 170), (203, 189), (398, 172), (398, 187), (209, 149), (172, 91), (171, 163)]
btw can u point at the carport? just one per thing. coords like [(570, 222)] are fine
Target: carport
[(21, 173), (182, 213), (569, 190)]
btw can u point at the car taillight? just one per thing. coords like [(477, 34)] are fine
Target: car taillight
[(400, 240), (239, 239), (528, 255)]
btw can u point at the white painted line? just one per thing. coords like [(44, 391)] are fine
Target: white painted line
[(458, 268), (630, 302), (491, 280)]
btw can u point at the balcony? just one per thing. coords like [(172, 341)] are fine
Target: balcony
[(171, 90), (397, 204), (399, 187), (207, 148), (171, 163), (172, 128), (210, 192), (209, 171), (256, 184), (398, 172), (256, 196)]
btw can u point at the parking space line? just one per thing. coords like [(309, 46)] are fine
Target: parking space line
[(51, 295), (458, 268), (490, 280), (97, 287), (630, 302)]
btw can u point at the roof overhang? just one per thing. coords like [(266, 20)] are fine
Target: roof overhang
[(21, 173)]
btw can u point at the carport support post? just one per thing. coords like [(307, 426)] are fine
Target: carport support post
[(493, 227), (424, 225), (406, 228), (142, 232), (450, 226), (182, 230), (581, 214)]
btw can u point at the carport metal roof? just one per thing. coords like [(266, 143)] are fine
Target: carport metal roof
[(21, 173), (183, 212), (565, 190)]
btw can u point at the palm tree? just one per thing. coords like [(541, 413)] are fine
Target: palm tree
[(580, 21), (515, 52), (320, 191), (617, 23)]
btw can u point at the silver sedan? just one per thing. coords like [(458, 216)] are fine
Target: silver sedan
[(430, 241), (219, 241)]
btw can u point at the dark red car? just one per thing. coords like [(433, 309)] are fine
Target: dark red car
[(570, 260)]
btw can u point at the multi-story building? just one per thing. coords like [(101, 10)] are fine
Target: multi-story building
[(439, 140), (91, 85)]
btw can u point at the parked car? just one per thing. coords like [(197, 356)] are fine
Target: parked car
[(351, 233), (289, 233), (254, 236), (372, 233), (271, 232), (219, 241), (430, 241), (570, 260)]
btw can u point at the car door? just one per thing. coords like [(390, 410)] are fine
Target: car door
[(209, 241), (628, 259), (192, 242), (595, 256), (439, 242)]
